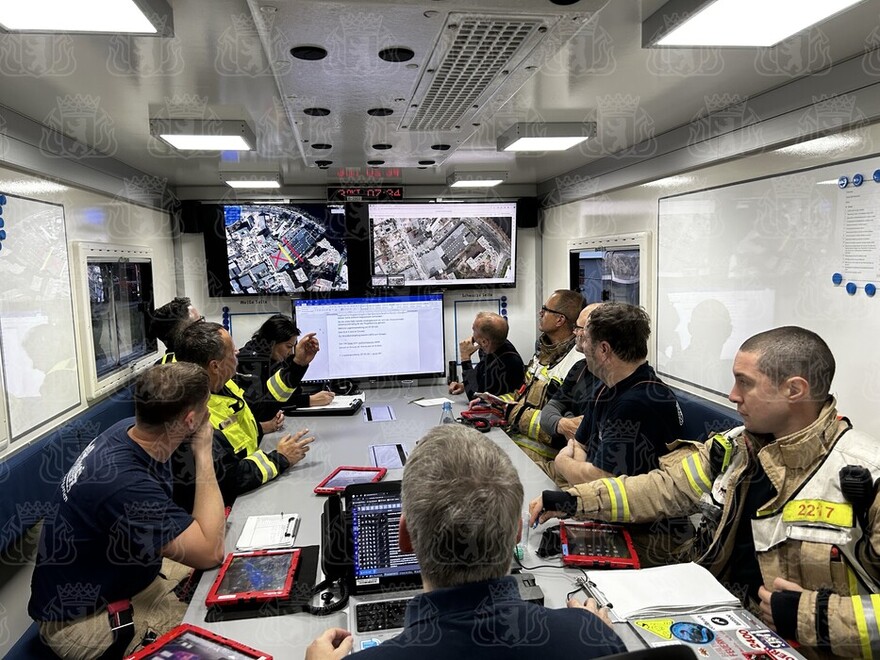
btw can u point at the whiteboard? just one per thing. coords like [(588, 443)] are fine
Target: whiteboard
[(37, 340), (740, 259)]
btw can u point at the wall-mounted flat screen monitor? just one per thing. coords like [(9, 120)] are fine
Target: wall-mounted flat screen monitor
[(443, 244), (285, 248), (395, 336)]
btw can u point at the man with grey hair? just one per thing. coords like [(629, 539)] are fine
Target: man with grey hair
[(462, 500), (500, 368)]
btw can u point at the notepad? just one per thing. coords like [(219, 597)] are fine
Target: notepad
[(663, 590), (277, 530)]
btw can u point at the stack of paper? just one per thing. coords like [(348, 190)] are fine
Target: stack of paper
[(664, 590)]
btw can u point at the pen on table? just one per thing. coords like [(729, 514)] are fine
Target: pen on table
[(589, 589), (418, 398)]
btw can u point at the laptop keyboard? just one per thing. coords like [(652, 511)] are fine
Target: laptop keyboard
[(382, 615)]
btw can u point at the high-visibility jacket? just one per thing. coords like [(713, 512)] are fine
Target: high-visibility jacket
[(806, 533), (268, 386)]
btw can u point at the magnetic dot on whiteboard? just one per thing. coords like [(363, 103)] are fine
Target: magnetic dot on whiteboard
[(851, 288), (870, 290), (837, 278)]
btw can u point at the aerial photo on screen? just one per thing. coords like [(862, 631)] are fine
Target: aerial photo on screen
[(446, 249), (284, 249)]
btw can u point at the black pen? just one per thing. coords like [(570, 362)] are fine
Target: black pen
[(590, 589), (416, 399)]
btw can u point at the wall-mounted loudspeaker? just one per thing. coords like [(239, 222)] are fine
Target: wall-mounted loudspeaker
[(527, 212)]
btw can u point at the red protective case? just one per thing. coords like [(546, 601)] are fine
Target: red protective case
[(622, 538), (158, 648), (323, 489), (255, 595)]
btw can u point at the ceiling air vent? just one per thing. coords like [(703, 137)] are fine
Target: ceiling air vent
[(473, 58)]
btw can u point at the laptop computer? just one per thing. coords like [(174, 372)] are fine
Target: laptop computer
[(382, 579), (717, 635)]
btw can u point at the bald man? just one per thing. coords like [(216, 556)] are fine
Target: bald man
[(500, 368)]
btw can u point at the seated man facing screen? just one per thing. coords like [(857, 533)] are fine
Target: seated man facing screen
[(767, 492), (462, 499), (240, 463), (168, 321), (500, 368), (629, 420), (271, 366), (114, 521), (554, 356)]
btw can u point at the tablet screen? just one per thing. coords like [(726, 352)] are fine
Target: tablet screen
[(194, 647), (596, 542), (256, 573), (345, 478)]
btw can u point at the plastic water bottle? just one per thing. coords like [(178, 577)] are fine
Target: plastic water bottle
[(446, 416)]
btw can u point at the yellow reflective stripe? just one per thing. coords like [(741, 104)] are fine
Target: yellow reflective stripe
[(839, 514), (618, 499), (864, 609), (508, 397), (168, 358), (698, 480), (725, 442), (534, 424), (267, 468), (278, 388)]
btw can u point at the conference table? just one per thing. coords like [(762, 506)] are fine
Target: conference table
[(345, 440)]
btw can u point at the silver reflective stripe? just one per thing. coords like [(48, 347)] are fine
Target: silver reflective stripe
[(871, 623), (266, 466), (619, 504)]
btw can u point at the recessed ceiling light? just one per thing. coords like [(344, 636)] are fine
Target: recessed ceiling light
[(151, 17), (251, 180), (755, 23), (204, 134), (475, 179), (545, 137)]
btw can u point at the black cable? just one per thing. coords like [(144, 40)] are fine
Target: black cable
[(324, 610), (532, 568)]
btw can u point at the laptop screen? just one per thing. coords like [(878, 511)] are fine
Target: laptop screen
[(377, 558)]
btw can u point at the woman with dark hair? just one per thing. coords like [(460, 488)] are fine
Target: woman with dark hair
[(272, 365)]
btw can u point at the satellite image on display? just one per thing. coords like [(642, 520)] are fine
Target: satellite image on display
[(284, 249), (422, 249)]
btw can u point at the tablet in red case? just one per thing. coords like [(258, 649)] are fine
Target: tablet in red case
[(254, 577), (596, 545), (193, 643), (347, 475)]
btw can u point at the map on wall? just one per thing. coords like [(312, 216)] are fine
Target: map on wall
[(37, 340)]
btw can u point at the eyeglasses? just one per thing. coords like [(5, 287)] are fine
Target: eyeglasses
[(545, 309), (578, 328)]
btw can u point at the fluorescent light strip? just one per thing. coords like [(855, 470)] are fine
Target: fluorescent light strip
[(488, 183), (751, 22), (80, 16), (545, 143), (253, 184), (206, 142)]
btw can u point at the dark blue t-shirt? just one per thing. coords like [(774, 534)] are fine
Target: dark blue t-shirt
[(102, 538), (490, 620), (626, 427)]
